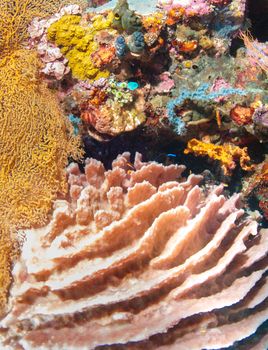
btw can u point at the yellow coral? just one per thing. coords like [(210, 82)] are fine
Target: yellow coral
[(77, 43), (153, 22), (16, 15), (227, 154)]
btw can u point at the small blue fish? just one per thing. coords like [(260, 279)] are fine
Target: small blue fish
[(75, 122), (171, 155)]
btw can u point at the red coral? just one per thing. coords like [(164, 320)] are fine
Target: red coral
[(242, 115)]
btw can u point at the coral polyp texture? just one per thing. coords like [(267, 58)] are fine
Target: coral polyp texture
[(141, 257)]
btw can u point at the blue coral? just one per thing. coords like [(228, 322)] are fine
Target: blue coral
[(120, 46), (201, 94), (137, 43)]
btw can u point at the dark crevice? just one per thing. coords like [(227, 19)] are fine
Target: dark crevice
[(258, 15)]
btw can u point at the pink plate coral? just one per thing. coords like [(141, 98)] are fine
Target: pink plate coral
[(142, 257)]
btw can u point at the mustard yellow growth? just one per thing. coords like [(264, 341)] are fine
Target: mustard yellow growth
[(227, 154), (77, 43), (36, 142)]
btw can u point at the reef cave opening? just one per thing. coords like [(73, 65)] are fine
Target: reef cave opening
[(258, 15)]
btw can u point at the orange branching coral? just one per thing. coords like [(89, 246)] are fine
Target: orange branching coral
[(33, 139), (227, 154), (35, 144), (16, 15), (5, 261)]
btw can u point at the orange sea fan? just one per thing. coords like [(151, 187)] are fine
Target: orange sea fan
[(142, 257), (36, 141)]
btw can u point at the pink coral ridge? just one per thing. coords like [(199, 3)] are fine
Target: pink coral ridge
[(219, 84), (134, 252), (192, 7), (166, 83)]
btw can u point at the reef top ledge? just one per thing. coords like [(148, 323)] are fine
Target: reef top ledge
[(140, 6)]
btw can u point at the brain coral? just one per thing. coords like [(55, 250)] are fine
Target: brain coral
[(139, 257)]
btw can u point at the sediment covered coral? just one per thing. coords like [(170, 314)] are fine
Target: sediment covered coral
[(141, 257)]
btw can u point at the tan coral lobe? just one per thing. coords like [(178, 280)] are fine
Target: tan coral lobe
[(139, 257)]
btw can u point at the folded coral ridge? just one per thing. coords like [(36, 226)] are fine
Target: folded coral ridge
[(139, 257)]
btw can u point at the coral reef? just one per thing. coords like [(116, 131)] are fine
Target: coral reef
[(257, 185), (200, 94), (256, 52), (139, 256), (125, 19), (114, 118), (50, 54), (136, 44)]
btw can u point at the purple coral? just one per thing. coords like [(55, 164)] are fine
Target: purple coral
[(260, 117)]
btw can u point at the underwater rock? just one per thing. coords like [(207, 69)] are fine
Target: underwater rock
[(260, 120), (139, 254), (125, 19)]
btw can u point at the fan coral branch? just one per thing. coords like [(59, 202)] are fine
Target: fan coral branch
[(226, 154), (256, 51), (137, 253), (36, 142)]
